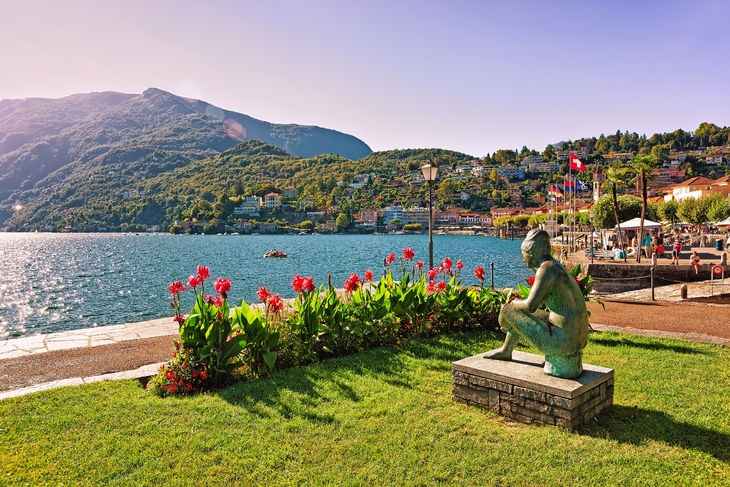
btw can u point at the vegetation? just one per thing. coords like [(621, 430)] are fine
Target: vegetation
[(382, 417), (216, 341)]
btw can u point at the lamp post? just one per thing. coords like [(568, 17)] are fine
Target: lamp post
[(429, 174)]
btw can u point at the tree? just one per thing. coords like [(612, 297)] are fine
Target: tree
[(549, 153), (342, 221), (616, 177), (660, 154), (667, 211), (719, 210), (306, 225), (628, 207), (445, 191), (642, 166)]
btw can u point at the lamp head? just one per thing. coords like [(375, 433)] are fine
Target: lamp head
[(429, 172)]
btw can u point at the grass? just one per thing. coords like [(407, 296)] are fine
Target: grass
[(384, 417)]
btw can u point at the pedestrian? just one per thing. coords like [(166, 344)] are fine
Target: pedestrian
[(676, 250)]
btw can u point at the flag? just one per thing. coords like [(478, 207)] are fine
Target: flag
[(575, 163), (555, 191), (569, 186), (582, 186)]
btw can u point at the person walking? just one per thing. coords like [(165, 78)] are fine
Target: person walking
[(676, 250)]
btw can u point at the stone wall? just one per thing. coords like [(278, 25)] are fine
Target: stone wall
[(618, 277)]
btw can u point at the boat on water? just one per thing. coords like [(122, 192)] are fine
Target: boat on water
[(275, 253)]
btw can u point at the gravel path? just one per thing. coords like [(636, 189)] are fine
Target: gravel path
[(16, 373), (664, 316)]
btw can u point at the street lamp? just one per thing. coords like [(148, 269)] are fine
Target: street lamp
[(429, 174)]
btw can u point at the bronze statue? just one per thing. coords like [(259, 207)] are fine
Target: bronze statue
[(561, 332)]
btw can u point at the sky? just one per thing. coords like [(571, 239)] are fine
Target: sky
[(472, 76)]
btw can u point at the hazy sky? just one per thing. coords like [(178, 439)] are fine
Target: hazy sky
[(472, 76)]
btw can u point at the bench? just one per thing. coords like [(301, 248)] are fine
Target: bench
[(600, 254)]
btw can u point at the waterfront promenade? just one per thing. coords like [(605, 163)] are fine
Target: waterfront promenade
[(136, 350)]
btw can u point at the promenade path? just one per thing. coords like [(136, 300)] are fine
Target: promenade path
[(136, 350)]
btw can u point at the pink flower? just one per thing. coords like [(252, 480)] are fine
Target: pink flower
[(420, 264), (177, 287), (214, 300), (194, 281), (222, 286), (447, 263), (433, 273), (263, 294), (390, 259), (368, 275), (459, 264), (203, 272), (408, 254), (479, 273), (352, 284)]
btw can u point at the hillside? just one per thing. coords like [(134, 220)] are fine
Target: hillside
[(46, 144), (139, 193)]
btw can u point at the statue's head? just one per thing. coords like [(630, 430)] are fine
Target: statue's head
[(535, 246)]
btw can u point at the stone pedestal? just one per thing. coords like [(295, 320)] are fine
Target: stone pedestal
[(520, 390)]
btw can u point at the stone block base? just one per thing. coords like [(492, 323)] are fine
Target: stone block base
[(520, 390)]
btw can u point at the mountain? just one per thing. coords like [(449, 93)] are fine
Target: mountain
[(46, 144)]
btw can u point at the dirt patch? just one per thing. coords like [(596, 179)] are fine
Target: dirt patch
[(38, 368)]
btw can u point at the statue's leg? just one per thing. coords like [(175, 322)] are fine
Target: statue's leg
[(563, 356), (510, 340)]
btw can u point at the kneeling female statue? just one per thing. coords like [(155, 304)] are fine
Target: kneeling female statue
[(561, 332)]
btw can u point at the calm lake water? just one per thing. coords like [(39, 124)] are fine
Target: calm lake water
[(54, 282)]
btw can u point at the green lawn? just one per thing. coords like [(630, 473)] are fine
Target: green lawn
[(383, 417)]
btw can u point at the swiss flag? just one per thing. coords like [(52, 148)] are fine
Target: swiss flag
[(575, 163)]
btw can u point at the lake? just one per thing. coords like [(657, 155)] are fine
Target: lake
[(53, 282)]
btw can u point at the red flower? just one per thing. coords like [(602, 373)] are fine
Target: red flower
[(263, 294), (431, 286), (203, 374), (433, 273), (531, 280), (447, 263), (441, 286), (420, 264), (203, 272), (577, 281), (180, 319), (459, 264), (479, 273), (408, 254), (214, 300), (352, 284), (195, 281), (177, 287), (301, 284), (390, 259), (368, 275), (222, 286), (275, 303)]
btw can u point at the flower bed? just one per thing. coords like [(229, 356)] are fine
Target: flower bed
[(218, 345)]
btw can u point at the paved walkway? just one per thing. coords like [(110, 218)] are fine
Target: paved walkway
[(136, 350)]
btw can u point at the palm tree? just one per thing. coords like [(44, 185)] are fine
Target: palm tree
[(616, 177), (642, 166)]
